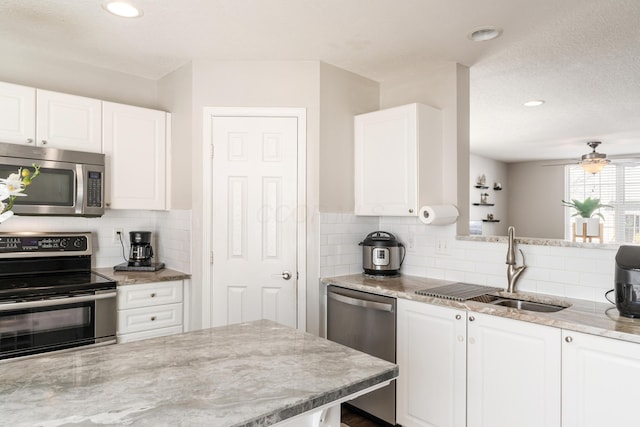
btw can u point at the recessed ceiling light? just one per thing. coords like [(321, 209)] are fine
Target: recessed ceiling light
[(122, 8), (534, 103), (485, 33)]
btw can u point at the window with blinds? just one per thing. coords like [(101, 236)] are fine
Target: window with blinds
[(616, 185)]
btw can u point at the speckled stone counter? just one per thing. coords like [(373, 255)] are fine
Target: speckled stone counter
[(136, 277), (251, 374), (582, 316)]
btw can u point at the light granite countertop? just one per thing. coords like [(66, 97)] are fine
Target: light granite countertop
[(582, 316), (250, 374), (139, 277)]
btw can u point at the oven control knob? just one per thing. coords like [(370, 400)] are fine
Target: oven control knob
[(77, 243), (63, 243)]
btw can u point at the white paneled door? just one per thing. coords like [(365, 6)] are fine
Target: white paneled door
[(254, 219)]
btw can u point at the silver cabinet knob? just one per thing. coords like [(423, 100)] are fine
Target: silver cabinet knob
[(471, 318), (44, 142), (30, 141), (568, 339), (153, 295), (286, 275), (458, 317), (153, 318), (410, 210)]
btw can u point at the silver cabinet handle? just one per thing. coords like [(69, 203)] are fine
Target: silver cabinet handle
[(30, 141), (61, 301), (361, 302), (471, 318), (568, 339), (410, 210), (458, 317), (44, 142)]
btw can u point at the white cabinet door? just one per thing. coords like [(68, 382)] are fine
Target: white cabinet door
[(134, 141), (68, 122), (600, 377), (398, 160), (17, 114), (432, 359), (513, 373)]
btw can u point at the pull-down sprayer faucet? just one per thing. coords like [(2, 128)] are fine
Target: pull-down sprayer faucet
[(513, 272)]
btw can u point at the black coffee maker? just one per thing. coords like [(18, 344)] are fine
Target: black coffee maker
[(141, 252), (627, 281)]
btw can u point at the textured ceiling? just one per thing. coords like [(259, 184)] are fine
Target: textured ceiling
[(581, 56)]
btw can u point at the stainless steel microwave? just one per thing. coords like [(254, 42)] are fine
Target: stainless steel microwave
[(71, 183)]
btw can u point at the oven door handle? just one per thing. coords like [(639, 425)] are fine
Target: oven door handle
[(52, 302)]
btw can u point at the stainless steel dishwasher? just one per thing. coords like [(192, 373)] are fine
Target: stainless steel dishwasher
[(366, 322)]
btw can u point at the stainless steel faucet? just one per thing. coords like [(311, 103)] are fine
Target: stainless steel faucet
[(513, 272)]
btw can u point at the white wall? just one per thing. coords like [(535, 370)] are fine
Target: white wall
[(76, 78), (342, 96), (494, 171), (444, 85), (571, 272), (535, 207), (171, 232)]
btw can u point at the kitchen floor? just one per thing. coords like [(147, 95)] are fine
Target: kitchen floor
[(352, 419)]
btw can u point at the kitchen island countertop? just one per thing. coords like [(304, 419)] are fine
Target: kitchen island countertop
[(250, 374)]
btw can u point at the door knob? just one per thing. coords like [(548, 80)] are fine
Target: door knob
[(286, 275)]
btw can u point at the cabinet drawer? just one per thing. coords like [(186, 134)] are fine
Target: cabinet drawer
[(150, 294), (153, 333), (147, 318)]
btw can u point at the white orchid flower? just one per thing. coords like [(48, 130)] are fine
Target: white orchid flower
[(5, 216), (13, 184), (4, 195)]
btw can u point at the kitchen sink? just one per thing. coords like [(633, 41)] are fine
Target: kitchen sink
[(528, 305), (520, 304)]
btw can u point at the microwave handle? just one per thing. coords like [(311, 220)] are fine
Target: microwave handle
[(80, 187)]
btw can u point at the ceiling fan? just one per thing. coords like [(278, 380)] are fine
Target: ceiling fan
[(594, 162)]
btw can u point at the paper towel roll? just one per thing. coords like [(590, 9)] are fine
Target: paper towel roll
[(438, 214)]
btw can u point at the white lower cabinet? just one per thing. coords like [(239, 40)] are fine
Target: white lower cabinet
[(600, 377), (150, 310), (431, 354), (513, 373), (459, 368)]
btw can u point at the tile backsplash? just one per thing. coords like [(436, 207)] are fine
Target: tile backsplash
[(171, 233), (433, 251)]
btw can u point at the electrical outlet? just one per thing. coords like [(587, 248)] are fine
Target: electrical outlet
[(117, 234), (442, 247)]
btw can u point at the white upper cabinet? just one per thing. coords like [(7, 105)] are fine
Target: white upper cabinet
[(49, 119), (135, 144), (17, 114), (68, 122), (398, 160)]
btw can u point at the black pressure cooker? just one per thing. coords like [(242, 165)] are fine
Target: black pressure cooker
[(382, 254)]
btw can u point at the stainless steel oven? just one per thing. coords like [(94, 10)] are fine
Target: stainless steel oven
[(50, 299)]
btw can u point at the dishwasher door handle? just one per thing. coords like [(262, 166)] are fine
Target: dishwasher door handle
[(360, 302)]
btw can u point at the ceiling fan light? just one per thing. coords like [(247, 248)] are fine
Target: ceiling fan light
[(594, 165)]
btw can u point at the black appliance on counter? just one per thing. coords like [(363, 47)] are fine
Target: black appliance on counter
[(49, 298), (627, 281), (140, 254)]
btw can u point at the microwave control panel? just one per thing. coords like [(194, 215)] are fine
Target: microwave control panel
[(94, 189)]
